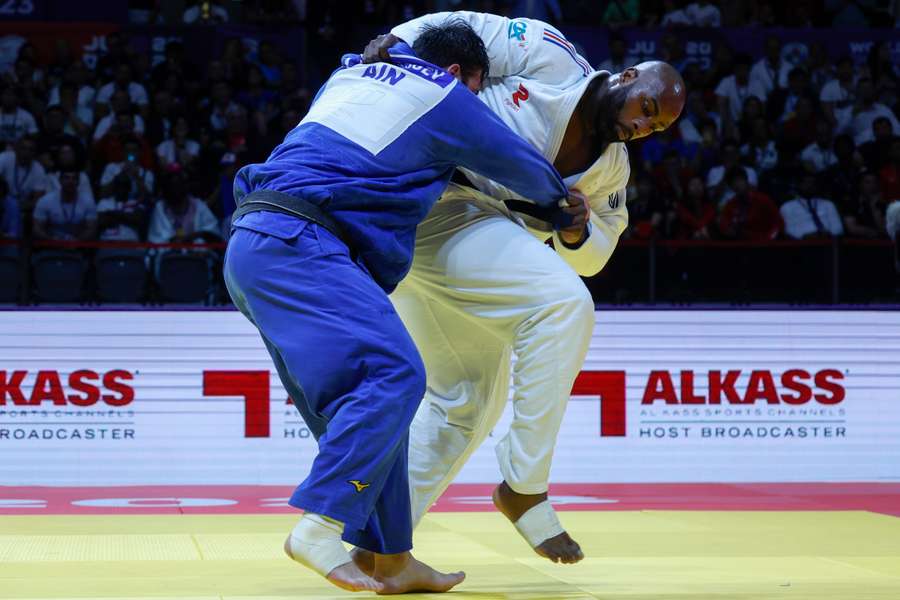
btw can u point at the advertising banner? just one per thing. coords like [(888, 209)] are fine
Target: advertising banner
[(189, 397)]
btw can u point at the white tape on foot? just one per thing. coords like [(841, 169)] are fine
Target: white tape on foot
[(539, 524), (315, 542)]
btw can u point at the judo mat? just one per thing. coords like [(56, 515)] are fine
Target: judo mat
[(679, 541)]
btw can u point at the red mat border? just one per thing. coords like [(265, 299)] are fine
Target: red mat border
[(876, 497)]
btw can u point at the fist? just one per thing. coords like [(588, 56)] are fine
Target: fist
[(377, 49), (579, 209)]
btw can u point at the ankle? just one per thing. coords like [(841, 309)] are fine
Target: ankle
[(513, 504), (389, 565)]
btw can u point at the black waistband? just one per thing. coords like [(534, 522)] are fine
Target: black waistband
[(273, 201)]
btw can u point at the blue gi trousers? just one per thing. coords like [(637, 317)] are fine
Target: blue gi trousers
[(347, 361)]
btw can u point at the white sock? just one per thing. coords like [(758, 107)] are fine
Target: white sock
[(315, 542)]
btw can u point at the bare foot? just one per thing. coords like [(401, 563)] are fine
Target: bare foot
[(347, 576), (401, 574), (364, 559), (559, 548)]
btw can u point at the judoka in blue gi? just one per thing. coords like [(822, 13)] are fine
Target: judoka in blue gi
[(324, 232)]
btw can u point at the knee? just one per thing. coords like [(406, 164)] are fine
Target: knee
[(573, 300), (412, 388)]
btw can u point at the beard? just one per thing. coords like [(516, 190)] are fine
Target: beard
[(606, 117)]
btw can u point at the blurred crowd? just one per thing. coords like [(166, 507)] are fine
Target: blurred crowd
[(765, 148)]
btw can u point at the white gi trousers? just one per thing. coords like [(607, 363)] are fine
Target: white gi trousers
[(481, 287)]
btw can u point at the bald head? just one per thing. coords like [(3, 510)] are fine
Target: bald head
[(654, 96)]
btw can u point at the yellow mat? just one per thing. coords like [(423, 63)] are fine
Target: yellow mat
[(655, 555)]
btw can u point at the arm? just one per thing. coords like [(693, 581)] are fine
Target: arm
[(591, 255), (605, 184), (486, 146)]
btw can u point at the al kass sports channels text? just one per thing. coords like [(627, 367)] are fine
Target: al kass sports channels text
[(88, 407), (798, 404)]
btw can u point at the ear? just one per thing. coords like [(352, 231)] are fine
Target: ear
[(628, 75), (454, 69)]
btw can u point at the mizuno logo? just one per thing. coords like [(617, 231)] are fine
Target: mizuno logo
[(359, 485)]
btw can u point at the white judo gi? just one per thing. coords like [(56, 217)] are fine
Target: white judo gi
[(484, 283)]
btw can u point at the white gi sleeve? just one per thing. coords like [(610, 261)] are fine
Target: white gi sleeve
[(605, 186), (507, 40), (604, 230)]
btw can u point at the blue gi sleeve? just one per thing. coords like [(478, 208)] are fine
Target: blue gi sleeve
[(476, 138)]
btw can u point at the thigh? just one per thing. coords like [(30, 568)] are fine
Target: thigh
[(467, 367), (333, 327), (475, 259)]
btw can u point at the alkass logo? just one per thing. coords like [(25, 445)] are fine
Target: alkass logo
[(793, 387), (82, 388)]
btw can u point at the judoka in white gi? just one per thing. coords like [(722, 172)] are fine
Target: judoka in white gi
[(484, 284)]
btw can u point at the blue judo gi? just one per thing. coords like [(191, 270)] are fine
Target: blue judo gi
[(375, 151)]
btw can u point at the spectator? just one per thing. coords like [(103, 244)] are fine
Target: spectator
[(883, 71), (67, 160), (220, 105), (703, 14), (645, 209), (111, 147), (180, 149), (254, 96), (673, 51), (619, 59), (180, 217), (120, 104), (867, 110), (798, 131), (819, 155), (78, 77), (753, 109), (819, 67), (695, 213), (838, 97), (65, 214), (782, 104), (15, 121), (876, 152), (161, 117), (766, 72), (207, 12), (749, 215), (79, 120), (733, 90), (54, 137), (842, 178), (26, 178), (716, 180), (173, 65), (810, 216), (691, 121), (760, 151), (889, 176), (233, 59), (10, 218), (673, 16), (124, 82), (122, 216), (141, 178), (671, 174), (118, 51), (864, 214), (269, 62)]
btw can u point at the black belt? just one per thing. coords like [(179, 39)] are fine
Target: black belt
[(273, 201), (550, 215)]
